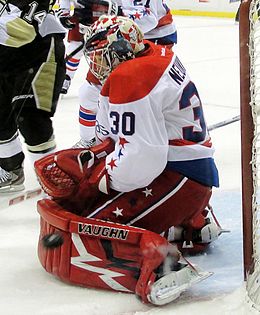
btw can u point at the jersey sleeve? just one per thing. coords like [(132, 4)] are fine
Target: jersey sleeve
[(144, 13)]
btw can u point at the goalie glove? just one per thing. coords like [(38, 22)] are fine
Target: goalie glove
[(88, 11), (75, 176), (90, 177), (65, 18)]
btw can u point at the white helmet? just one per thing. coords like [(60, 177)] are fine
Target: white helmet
[(112, 39)]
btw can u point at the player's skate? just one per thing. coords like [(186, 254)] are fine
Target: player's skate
[(84, 143), (66, 85), (11, 181), (193, 240), (169, 286)]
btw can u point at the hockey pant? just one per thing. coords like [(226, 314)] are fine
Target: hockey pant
[(75, 35), (170, 200)]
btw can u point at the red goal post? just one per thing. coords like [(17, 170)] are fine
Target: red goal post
[(249, 39)]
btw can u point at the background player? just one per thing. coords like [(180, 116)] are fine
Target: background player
[(32, 71), (153, 17)]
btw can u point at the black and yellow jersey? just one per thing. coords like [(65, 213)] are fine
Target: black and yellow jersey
[(22, 20), (25, 30)]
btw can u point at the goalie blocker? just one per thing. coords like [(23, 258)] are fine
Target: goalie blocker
[(112, 256)]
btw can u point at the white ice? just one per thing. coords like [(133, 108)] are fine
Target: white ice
[(209, 48)]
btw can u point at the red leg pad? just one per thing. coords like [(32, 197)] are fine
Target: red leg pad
[(100, 254)]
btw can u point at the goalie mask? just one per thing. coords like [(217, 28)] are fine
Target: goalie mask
[(111, 40)]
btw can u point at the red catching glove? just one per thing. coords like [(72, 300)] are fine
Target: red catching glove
[(75, 176), (90, 175)]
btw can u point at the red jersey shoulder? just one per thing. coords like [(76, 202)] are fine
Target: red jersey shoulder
[(134, 79)]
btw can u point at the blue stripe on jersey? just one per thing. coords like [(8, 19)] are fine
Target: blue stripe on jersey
[(165, 40), (72, 63), (86, 116), (203, 171)]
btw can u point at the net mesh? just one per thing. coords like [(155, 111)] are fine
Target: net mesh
[(253, 281)]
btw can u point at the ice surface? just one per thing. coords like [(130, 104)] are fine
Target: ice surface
[(209, 50)]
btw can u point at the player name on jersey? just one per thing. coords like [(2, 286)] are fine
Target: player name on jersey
[(97, 230), (177, 71)]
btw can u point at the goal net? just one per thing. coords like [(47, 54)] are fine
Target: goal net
[(249, 33)]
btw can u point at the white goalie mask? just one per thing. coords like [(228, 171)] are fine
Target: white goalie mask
[(112, 40)]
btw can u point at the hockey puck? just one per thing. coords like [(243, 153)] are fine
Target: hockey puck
[(52, 240)]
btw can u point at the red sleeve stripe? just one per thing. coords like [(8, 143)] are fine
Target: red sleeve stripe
[(87, 117), (165, 20), (87, 111), (182, 142), (87, 123)]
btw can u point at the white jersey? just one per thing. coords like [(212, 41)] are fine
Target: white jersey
[(156, 121), (152, 16), (66, 4)]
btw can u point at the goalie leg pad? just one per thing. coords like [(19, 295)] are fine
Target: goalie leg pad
[(99, 254), (110, 256)]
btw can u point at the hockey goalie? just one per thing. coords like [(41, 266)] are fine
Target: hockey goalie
[(121, 212)]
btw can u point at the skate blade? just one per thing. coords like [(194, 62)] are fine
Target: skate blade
[(169, 287), (11, 189)]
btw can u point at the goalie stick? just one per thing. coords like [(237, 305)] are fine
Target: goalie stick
[(73, 53), (224, 123), (10, 199)]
